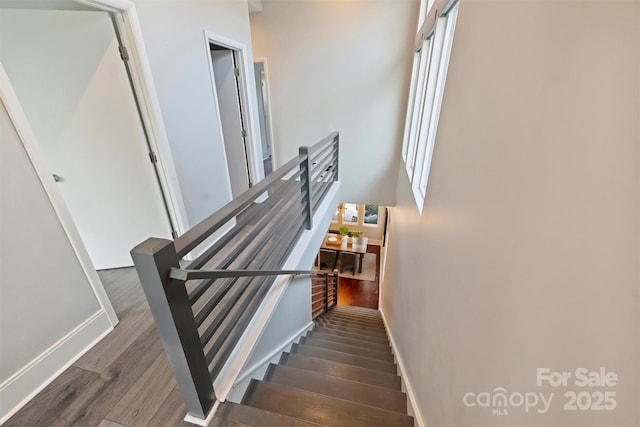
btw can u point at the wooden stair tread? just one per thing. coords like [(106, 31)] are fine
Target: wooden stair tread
[(364, 319), (353, 318), (352, 329), (235, 415), (352, 323), (365, 324), (341, 370), (341, 388), (348, 340), (355, 309), (319, 408), (348, 348), (349, 359), (348, 334)]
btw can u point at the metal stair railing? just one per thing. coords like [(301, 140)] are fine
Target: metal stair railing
[(202, 310)]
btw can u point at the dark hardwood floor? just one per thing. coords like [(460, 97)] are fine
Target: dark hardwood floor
[(361, 293), (125, 380)]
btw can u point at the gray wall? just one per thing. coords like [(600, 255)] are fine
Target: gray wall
[(527, 253), (336, 65)]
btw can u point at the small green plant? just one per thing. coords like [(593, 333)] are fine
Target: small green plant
[(356, 234), (344, 231)]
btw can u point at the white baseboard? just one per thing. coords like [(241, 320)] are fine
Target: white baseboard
[(417, 414), (22, 386)]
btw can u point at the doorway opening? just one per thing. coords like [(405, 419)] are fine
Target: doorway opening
[(228, 89), (264, 114)]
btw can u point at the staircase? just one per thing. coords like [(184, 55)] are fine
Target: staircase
[(342, 373)]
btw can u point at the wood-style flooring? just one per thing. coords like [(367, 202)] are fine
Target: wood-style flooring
[(361, 293), (125, 380)]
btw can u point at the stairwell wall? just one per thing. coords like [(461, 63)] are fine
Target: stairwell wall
[(336, 65), (527, 253)]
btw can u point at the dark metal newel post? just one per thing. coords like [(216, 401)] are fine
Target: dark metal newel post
[(305, 177), (173, 315)]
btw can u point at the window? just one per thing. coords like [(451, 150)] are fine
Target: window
[(433, 47), (371, 214), (350, 213)]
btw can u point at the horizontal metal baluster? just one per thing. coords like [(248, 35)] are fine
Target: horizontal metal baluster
[(320, 164), (198, 234), (257, 209), (321, 153), (202, 315), (260, 291), (321, 191), (324, 141), (258, 227), (219, 319), (204, 312)]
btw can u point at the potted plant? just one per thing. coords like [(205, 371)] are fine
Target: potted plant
[(344, 232), (359, 241)]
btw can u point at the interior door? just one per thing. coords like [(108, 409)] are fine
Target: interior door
[(228, 98), (72, 84)]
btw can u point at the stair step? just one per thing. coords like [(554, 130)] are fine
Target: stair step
[(337, 318), (340, 388), (347, 348), (341, 370), (355, 317), (354, 323), (352, 329), (351, 341), (234, 415), (349, 334), (349, 359), (362, 311), (319, 408)]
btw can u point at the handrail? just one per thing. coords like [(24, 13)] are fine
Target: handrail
[(185, 275), (192, 238), (202, 309)]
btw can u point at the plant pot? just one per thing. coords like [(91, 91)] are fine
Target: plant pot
[(360, 243), (344, 242)]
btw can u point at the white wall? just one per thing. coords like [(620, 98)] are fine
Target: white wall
[(178, 55), (527, 254), (67, 72), (340, 65), (48, 311)]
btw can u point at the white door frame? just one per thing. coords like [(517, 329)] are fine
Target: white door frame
[(253, 144), (268, 102)]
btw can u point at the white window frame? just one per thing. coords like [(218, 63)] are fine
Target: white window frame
[(433, 48)]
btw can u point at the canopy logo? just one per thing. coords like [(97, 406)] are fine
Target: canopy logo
[(500, 401), (584, 390)]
